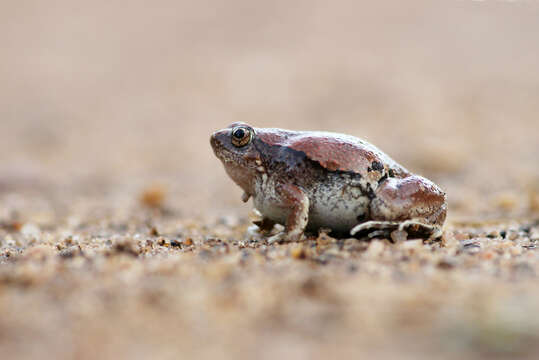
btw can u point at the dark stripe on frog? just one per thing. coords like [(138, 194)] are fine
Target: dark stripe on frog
[(273, 154), (381, 180), (376, 166)]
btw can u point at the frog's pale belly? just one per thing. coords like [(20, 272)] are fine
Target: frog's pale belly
[(338, 205)]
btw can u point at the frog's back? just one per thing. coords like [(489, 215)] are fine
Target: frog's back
[(334, 152)]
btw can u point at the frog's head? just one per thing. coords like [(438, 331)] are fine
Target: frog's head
[(234, 146)]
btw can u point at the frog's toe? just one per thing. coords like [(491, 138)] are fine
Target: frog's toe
[(283, 237), (265, 225), (277, 238), (411, 224), (433, 231), (436, 234), (374, 225)]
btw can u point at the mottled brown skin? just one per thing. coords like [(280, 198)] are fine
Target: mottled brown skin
[(311, 180)]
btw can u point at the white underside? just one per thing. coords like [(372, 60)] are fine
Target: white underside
[(331, 206)]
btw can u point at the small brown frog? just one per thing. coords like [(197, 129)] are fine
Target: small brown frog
[(308, 180)]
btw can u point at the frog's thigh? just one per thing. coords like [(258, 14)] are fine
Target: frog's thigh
[(410, 198), (298, 202)]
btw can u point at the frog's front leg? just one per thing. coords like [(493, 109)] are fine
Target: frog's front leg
[(293, 199)]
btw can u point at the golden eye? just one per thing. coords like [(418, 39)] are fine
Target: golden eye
[(241, 136)]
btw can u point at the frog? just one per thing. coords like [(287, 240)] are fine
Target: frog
[(310, 181)]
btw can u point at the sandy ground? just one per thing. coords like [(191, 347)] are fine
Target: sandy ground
[(121, 235)]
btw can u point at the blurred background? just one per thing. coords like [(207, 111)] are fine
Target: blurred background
[(108, 95), (107, 105)]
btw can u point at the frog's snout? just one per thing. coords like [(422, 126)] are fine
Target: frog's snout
[(213, 140), (217, 140), (215, 143)]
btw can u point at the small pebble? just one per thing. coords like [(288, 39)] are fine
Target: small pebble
[(375, 249), (399, 236)]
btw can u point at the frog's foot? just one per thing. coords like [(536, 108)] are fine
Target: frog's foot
[(418, 227), (276, 239), (284, 237), (381, 228), (265, 225)]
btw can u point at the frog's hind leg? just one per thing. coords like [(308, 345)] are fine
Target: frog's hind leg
[(408, 199)]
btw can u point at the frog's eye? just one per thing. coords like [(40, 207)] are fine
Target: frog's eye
[(241, 136)]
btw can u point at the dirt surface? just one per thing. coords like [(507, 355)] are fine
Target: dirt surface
[(122, 237)]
